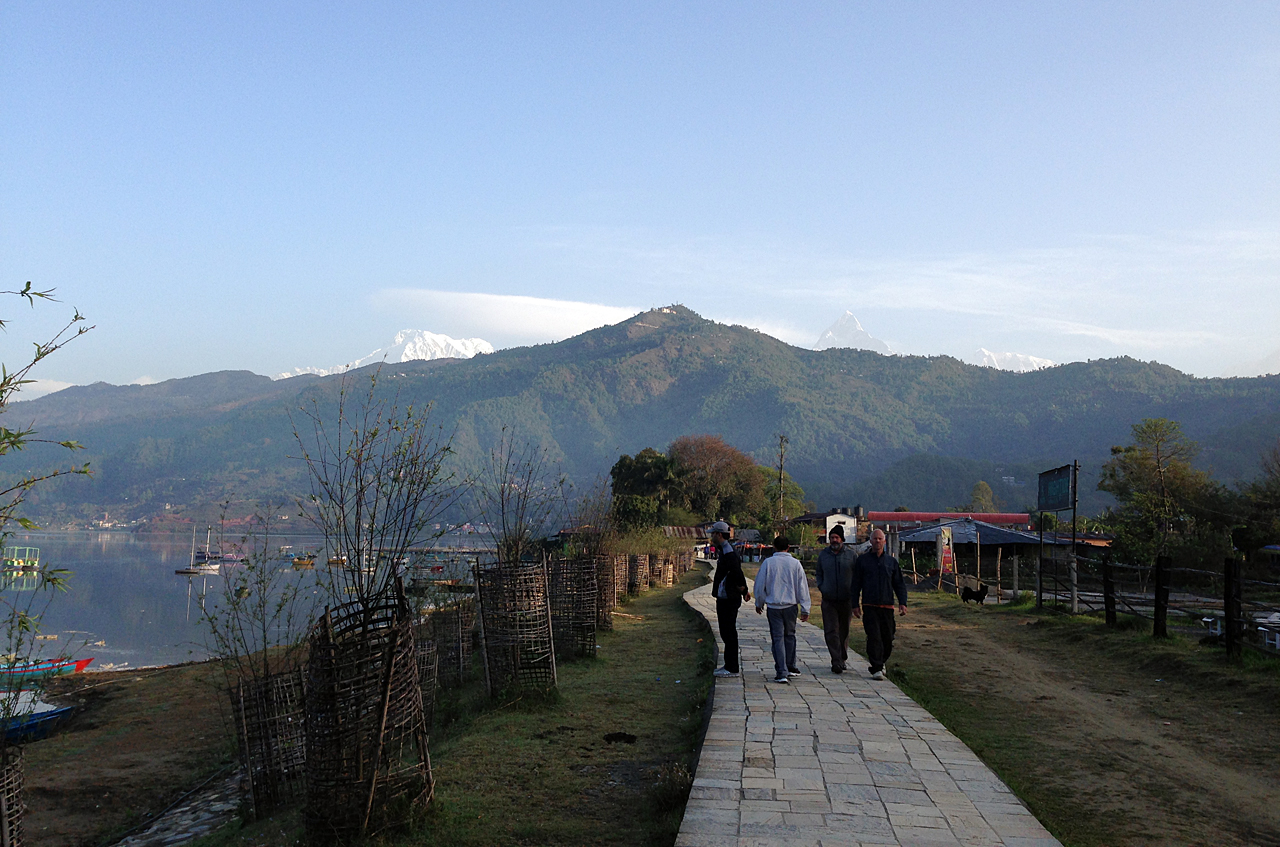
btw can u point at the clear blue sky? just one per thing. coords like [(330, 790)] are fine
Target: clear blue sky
[(270, 185)]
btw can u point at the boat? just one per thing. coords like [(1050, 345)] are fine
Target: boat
[(41, 669), (22, 558), (198, 566), (35, 726), (303, 561), (337, 560), (207, 554)]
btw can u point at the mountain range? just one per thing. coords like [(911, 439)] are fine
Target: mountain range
[(409, 345), (867, 428)]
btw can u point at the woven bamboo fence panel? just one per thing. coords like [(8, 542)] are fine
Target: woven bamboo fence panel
[(452, 628), (638, 574), (270, 720), (428, 670), (684, 562), (367, 761), (606, 591), (515, 626), (11, 805), (573, 605), (621, 571)]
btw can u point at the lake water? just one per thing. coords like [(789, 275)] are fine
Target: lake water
[(124, 606)]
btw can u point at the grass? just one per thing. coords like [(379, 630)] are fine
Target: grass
[(535, 769), (1029, 748)]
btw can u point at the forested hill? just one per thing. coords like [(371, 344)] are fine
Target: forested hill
[(863, 427)]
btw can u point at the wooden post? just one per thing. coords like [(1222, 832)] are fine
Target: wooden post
[(1016, 561), (915, 575), (1108, 590), (977, 541), (1232, 623), (1160, 629), (999, 588)]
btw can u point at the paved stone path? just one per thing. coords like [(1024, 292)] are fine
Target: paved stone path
[(836, 761), (197, 816)]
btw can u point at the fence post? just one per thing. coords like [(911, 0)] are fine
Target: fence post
[(1160, 628), (1232, 625), (1108, 590)]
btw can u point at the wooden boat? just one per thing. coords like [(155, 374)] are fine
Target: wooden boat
[(338, 560), (27, 671), (33, 727), (304, 561)]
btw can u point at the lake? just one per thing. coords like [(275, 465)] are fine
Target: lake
[(125, 607)]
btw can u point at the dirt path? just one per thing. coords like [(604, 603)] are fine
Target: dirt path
[(1119, 740)]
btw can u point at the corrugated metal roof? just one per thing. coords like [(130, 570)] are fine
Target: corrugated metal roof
[(966, 531)]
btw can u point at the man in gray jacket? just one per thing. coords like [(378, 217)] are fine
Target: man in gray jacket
[(835, 581)]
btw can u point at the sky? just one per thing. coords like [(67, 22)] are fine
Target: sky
[(265, 186)]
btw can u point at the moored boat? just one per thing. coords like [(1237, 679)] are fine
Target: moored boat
[(42, 668)]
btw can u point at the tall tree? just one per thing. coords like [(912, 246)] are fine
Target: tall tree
[(717, 480)]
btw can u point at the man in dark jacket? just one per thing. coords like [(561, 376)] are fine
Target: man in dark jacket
[(729, 587), (878, 580), (835, 581)]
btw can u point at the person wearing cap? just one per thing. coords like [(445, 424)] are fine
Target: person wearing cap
[(729, 587), (782, 586), (878, 579), (835, 581)]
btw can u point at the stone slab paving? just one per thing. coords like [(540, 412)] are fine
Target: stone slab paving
[(836, 760), (196, 817)]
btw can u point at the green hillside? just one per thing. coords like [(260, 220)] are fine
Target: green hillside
[(858, 421)]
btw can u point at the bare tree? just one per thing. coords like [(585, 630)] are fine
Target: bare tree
[(379, 485), (518, 494)]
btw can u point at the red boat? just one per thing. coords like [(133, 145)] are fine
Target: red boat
[(26, 671)]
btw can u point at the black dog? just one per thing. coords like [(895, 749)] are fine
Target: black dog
[(967, 593)]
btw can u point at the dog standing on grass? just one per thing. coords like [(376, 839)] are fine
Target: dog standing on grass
[(967, 593)]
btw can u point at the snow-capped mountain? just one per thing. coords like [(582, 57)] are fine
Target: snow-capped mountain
[(1017, 362), (847, 332), (409, 345)]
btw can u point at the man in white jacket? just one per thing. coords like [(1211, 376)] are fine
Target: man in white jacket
[(781, 585)]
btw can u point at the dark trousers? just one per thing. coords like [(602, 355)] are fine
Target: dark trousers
[(782, 631), (879, 625), (727, 618), (835, 628)]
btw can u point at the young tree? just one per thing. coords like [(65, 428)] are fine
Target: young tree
[(519, 495), (379, 485), (25, 593)]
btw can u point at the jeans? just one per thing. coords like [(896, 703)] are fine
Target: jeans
[(879, 625), (727, 618), (835, 628), (782, 631)]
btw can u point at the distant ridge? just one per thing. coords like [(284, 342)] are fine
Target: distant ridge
[(409, 345)]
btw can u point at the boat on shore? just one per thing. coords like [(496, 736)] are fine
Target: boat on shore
[(41, 669)]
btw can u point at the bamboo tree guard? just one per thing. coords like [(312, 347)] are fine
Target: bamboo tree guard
[(606, 590), (573, 605), (621, 578), (515, 626), (452, 628), (428, 671), (368, 766), (11, 805), (269, 716)]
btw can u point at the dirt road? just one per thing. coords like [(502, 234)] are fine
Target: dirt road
[(1112, 738)]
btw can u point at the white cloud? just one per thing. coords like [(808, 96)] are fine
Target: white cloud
[(41, 387), (505, 320)]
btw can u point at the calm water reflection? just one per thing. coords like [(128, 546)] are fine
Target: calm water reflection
[(125, 604)]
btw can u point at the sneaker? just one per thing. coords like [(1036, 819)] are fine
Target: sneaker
[(878, 675), (723, 672), (793, 673), (782, 680)]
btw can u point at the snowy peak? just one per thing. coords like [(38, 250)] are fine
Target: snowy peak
[(1016, 362), (847, 332), (409, 345)]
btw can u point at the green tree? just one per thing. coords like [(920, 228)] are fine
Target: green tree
[(1165, 505), (717, 480), (981, 499)]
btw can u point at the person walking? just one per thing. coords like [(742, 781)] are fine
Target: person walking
[(877, 579), (835, 581), (782, 586), (729, 587)]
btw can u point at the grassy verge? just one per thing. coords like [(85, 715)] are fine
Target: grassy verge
[(537, 769), (1096, 729)]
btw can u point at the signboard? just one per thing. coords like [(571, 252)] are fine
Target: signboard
[(1055, 490), (946, 551)]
